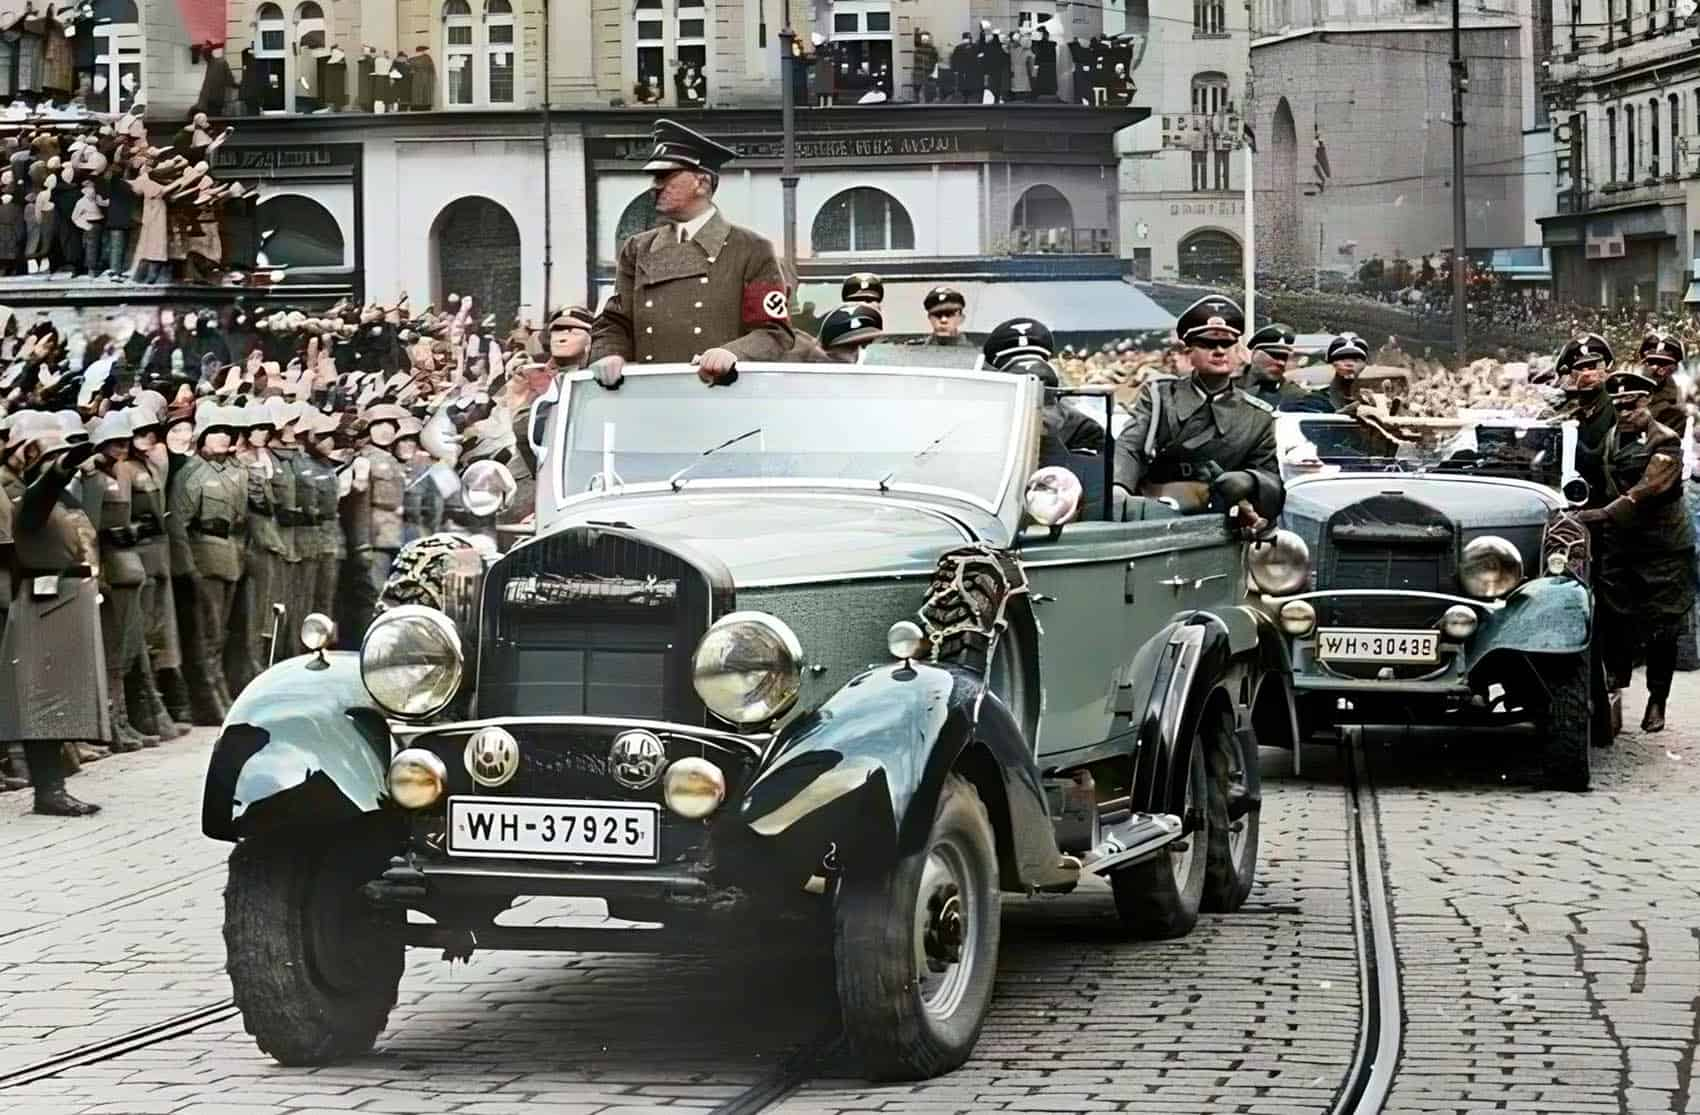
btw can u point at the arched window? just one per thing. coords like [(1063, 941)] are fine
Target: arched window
[(1043, 221), (117, 80), (863, 220), (1209, 256), (477, 248), (500, 42), (459, 53), (639, 216), (297, 231), (271, 55), (310, 26)]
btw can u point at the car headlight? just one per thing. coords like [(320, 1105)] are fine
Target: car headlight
[(748, 668), (1491, 567), (1281, 564), (411, 661), (487, 488)]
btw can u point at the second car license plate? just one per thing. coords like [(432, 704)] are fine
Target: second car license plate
[(545, 828), (1353, 644)]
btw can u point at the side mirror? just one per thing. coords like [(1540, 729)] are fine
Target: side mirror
[(1576, 491), (1052, 497), (487, 488)]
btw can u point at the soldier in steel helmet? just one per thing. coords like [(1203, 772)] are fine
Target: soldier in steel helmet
[(207, 525), (372, 514)]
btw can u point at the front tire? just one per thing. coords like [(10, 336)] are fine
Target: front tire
[(1568, 724), (1160, 897), (916, 947), (313, 968), (1231, 868)]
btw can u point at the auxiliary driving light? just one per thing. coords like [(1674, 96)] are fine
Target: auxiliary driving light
[(317, 631), (417, 778), (1459, 622), (1298, 618), (694, 788), (905, 640), (1558, 563)]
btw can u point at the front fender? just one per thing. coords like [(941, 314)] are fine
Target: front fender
[(1175, 672), (304, 743), (1549, 615), (863, 773)]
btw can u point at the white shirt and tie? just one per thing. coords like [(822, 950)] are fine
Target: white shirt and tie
[(690, 228)]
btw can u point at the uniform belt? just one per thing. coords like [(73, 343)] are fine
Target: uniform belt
[(211, 530), (73, 571), (120, 538), (1169, 472)]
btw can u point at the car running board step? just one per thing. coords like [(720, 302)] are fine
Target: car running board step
[(1140, 837)]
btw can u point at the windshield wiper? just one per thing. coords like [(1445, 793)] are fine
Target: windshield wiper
[(885, 481), (673, 480)]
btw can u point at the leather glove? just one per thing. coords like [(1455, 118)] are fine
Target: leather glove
[(610, 372)]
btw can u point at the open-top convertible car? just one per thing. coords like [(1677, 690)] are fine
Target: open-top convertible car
[(822, 656), (1437, 575)]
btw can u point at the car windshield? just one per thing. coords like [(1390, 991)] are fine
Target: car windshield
[(1520, 451), (900, 429)]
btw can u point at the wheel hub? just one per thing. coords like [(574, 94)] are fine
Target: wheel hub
[(944, 933)]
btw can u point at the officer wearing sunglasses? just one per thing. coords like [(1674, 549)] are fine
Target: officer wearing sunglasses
[(1644, 584), (1198, 440)]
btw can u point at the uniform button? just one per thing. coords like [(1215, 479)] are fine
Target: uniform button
[(649, 329), (649, 305), (705, 280), (699, 305), (711, 259), (696, 329)]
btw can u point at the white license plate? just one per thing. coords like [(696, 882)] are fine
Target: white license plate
[(546, 828), (1354, 644)]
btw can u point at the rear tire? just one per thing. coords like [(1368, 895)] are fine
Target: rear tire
[(1160, 897), (916, 947), (313, 967), (1232, 863), (1568, 724)]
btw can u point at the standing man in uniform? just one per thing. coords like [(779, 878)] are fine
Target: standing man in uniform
[(106, 500), (146, 471), (1645, 583), (1270, 358), (265, 557), (698, 288), (946, 312), (372, 514), (1199, 440), (319, 535), (1661, 355), (52, 675), (1581, 368), (208, 504)]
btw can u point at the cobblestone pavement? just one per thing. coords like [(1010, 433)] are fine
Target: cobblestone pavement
[(1549, 943), (112, 924)]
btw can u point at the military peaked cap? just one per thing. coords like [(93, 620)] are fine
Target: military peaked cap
[(1662, 346), (679, 148), (1627, 384), (1589, 348), (851, 324), (571, 317), (1275, 338), (942, 296), (1347, 346), (864, 286), (1016, 338), (1211, 314)]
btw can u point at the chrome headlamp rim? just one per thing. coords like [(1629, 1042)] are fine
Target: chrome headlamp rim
[(789, 666), (1490, 567), (1282, 546), (437, 625)]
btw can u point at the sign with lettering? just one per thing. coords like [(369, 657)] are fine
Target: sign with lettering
[(1225, 208), (818, 148), (286, 159)]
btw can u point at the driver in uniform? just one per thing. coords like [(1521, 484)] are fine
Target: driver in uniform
[(1645, 582), (1581, 368), (1199, 440), (1269, 358), (946, 312)]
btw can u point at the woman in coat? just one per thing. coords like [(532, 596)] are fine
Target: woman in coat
[(52, 669)]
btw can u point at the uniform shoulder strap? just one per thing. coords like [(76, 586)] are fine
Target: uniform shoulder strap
[(1247, 396)]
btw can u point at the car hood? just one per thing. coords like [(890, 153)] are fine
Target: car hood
[(771, 537), (1470, 502)]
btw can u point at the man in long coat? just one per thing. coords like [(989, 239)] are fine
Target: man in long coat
[(698, 287)]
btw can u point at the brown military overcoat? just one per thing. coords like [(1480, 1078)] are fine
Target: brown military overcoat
[(721, 289)]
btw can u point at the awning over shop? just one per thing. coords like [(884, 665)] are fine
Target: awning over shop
[(1692, 298)]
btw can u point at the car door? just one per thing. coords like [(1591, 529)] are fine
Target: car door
[(1099, 591)]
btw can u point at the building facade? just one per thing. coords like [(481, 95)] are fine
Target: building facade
[(1182, 172), (1371, 84), (1623, 94), (399, 145)]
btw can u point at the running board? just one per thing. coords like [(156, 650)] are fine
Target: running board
[(1123, 845)]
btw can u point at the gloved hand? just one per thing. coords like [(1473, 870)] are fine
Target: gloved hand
[(1233, 492), (610, 371)]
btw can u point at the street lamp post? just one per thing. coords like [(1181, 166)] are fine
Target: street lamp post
[(1460, 82), (788, 119)]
